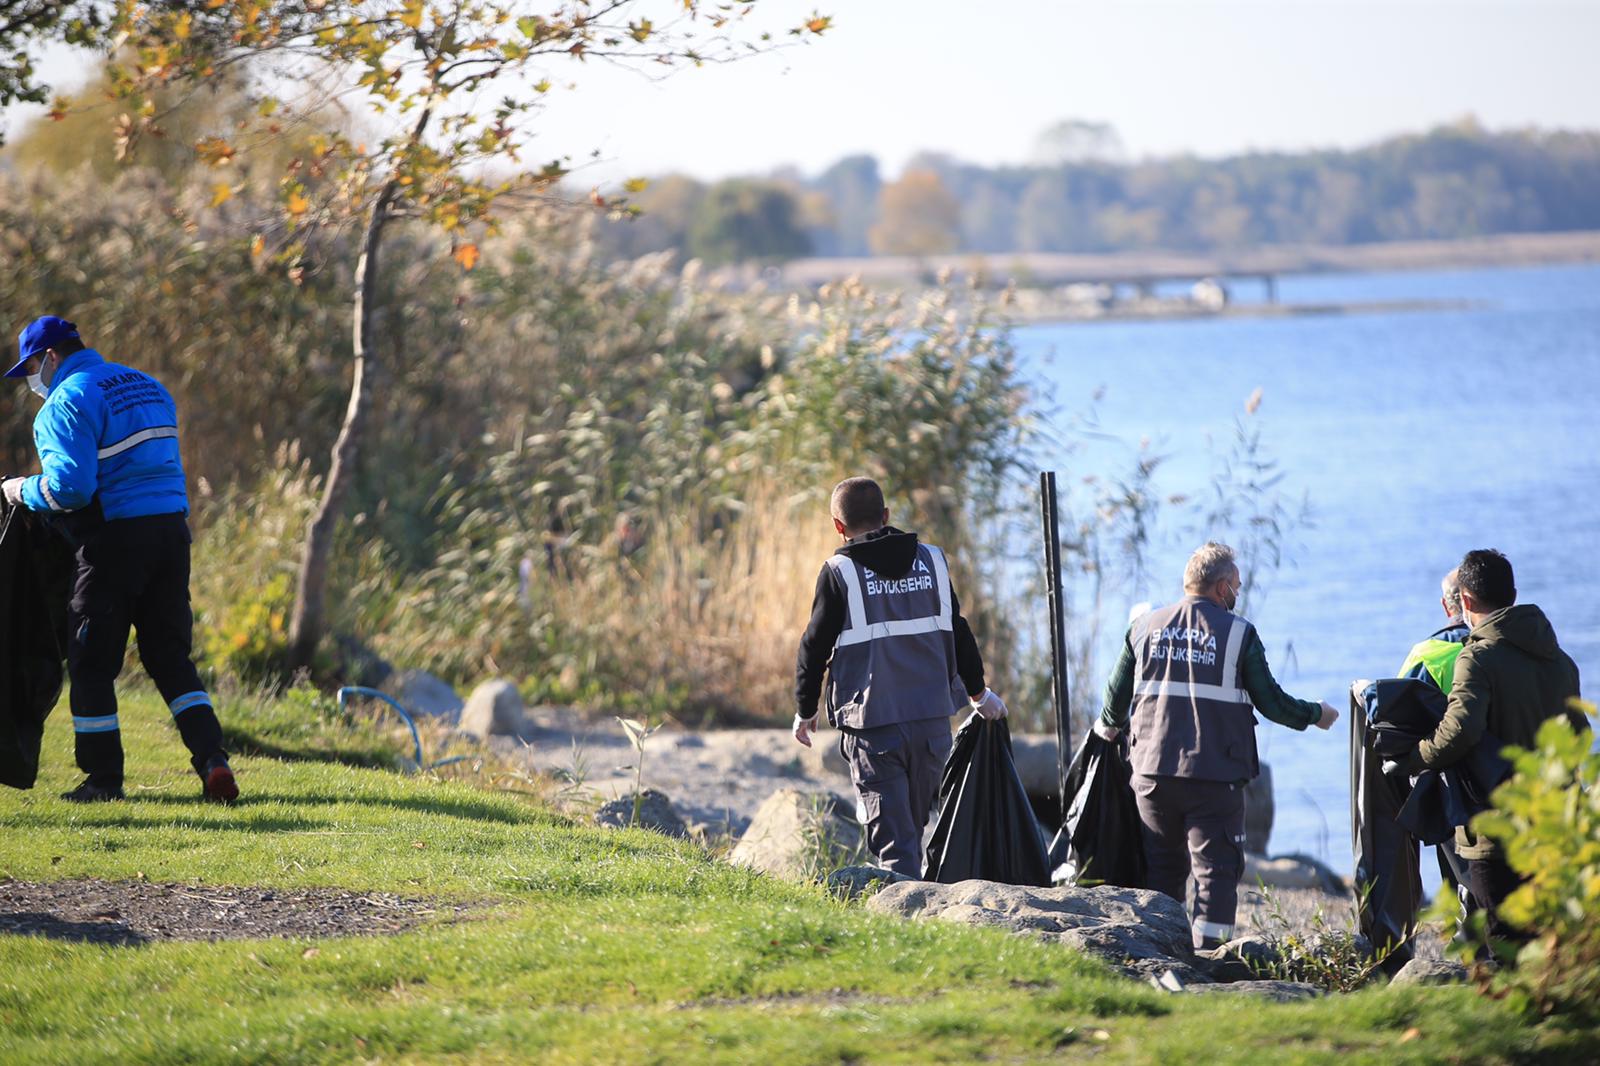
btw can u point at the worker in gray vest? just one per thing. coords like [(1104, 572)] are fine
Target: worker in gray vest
[(1189, 674), (886, 629)]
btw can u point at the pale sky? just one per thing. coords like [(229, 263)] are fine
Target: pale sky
[(980, 78)]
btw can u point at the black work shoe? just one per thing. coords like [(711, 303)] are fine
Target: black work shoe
[(217, 779), (89, 792)]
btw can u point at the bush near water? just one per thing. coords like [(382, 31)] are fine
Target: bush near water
[(606, 480), (1546, 818)]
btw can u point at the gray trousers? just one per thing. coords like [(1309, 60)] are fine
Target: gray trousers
[(896, 771), (1200, 825)]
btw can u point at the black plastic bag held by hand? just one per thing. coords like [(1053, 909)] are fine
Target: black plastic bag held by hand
[(986, 828), (35, 584), (1099, 841)]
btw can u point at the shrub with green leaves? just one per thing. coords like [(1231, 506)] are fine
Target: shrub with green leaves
[(1546, 818)]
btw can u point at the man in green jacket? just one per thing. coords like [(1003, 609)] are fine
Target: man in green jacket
[(1510, 676)]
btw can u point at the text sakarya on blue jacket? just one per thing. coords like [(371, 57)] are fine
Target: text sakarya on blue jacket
[(111, 431)]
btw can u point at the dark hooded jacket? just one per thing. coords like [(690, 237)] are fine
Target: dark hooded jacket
[(891, 553), (1510, 677)]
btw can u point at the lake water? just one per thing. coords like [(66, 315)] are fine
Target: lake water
[(1415, 435)]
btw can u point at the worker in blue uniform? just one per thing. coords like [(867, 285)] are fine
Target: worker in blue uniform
[(112, 480)]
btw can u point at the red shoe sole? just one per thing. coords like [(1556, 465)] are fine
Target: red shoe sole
[(220, 786)]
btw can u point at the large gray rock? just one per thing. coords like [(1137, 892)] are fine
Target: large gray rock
[(823, 758), (1290, 871), (800, 834), (425, 695), (1034, 755), (1277, 991), (1258, 811), (493, 710), (1346, 943), (655, 812), (1122, 925), (1430, 972), (1245, 958), (852, 882)]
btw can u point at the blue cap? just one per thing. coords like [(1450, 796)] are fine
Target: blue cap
[(44, 332)]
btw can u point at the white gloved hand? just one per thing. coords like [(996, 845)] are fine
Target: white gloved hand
[(1106, 732), (1330, 715), (803, 728), (988, 705), (12, 490)]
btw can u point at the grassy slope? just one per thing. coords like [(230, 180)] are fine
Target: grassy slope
[(601, 946)]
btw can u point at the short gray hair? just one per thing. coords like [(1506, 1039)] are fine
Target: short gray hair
[(1210, 563), (1450, 592)]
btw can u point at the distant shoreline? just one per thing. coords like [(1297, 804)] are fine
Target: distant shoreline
[(1041, 270), (1177, 311)]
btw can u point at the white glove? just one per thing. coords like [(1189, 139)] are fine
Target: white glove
[(1330, 715), (12, 490), (988, 705), (1106, 732), (803, 728)]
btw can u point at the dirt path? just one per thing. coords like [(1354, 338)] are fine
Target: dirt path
[(136, 912)]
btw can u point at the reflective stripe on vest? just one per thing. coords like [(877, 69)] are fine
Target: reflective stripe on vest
[(859, 631), (1191, 716)]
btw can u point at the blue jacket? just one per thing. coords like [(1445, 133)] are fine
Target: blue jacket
[(108, 431)]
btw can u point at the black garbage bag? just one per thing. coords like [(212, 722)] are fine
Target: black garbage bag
[(1388, 871), (986, 828), (35, 583), (1099, 842), (1403, 712)]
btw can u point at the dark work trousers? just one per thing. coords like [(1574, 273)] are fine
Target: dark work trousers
[(134, 572), (1490, 881), (1199, 824), (896, 771)]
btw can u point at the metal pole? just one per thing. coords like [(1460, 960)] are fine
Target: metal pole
[(1060, 693)]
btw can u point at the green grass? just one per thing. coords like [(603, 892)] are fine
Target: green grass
[(592, 946)]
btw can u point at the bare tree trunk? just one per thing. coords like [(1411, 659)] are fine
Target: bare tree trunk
[(305, 627)]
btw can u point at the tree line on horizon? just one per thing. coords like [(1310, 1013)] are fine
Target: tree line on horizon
[(1454, 181)]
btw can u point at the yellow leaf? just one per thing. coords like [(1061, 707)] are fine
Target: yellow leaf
[(467, 256), (297, 205), (818, 23), (221, 193), (214, 151), (258, 245), (412, 14), (636, 185)]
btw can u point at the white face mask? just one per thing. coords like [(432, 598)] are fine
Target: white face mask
[(36, 383)]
